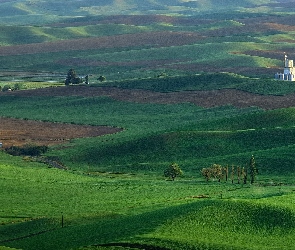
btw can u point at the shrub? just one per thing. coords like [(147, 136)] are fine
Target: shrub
[(6, 88), (31, 150)]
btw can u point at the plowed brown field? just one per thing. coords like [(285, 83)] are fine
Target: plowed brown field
[(19, 132)]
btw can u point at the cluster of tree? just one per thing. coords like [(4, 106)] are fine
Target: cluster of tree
[(8, 87), (242, 174), (29, 150), (72, 78)]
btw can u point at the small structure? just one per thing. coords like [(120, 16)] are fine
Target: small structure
[(289, 71)]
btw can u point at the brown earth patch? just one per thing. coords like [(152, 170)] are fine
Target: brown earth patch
[(281, 27), (273, 54), (19, 132)]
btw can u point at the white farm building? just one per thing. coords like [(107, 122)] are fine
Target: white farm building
[(289, 71)]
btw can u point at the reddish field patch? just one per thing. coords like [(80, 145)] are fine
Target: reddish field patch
[(19, 132)]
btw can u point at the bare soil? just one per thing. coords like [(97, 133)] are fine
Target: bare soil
[(18, 132)]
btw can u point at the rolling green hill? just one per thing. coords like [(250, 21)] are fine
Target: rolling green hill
[(112, 193)]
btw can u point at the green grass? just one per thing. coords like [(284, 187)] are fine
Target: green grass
[(234, 225), (143, 125), (149, 208), (25, 84), (195, 138), (211, 81), (13, 35), (115, 194)]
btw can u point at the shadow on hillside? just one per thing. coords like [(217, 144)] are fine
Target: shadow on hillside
[(124, 228)]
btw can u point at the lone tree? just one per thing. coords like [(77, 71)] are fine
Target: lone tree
[(253, 169), (244, 174), (207, 172), (173, 171), (87, 79), (102, 78)]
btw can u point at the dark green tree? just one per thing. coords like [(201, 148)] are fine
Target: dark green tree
[(239, 174), (102, 78), (6, 88), (173, 171), (244, 174), (232, 175), (253, 169), (86, 79)]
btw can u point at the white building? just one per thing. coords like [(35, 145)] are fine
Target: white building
[(289, 71)]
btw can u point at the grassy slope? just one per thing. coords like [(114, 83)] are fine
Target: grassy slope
[(165, 215), (111, 61), (144, 209), (208, 82), (91, 213), (196, 137)]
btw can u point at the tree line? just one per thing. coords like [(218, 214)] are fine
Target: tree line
[(72, 78), (219, 172), (232, 173)]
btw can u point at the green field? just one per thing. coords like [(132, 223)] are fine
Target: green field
[(113, 194)]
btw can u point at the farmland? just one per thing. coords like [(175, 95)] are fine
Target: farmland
[(186, 82), (145, 45), (130, 164)]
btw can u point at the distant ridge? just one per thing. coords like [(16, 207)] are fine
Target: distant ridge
[(129, 39), (38, 11)]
